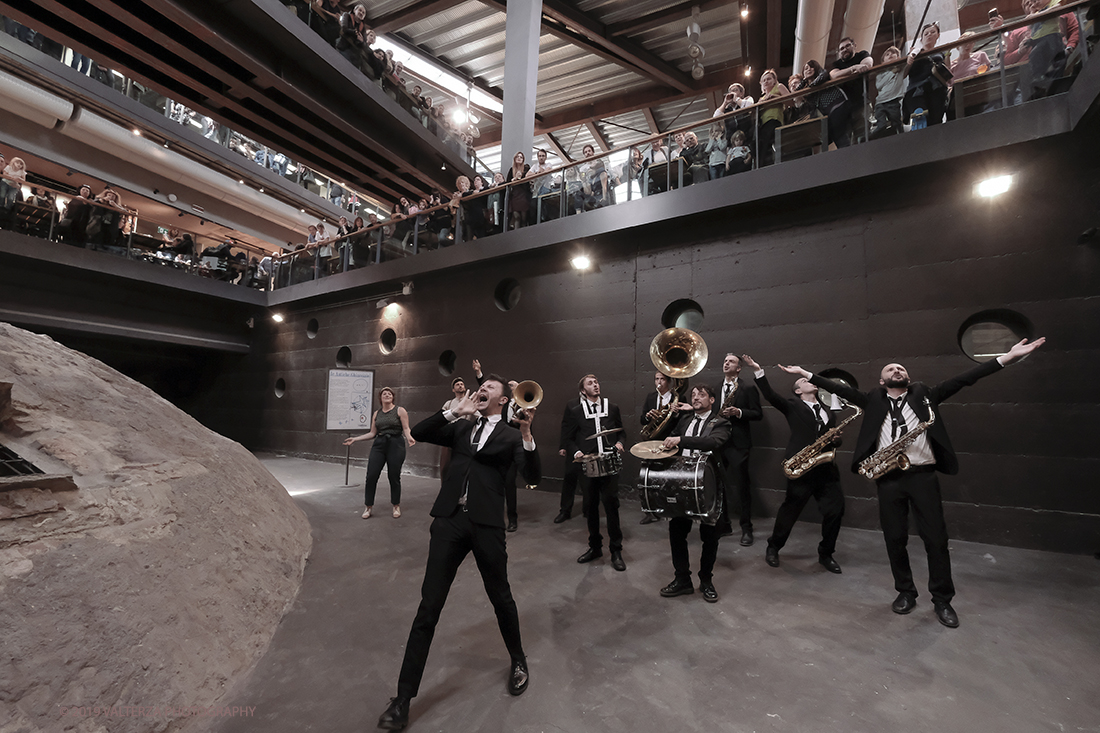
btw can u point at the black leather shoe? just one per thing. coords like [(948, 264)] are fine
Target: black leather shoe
[(771, 556), (746, 538), (590, 554), (649, 519), (517, 680), (830, 564), (946, 615), (396, 716), (904, 603), (562, 516), (709, 594), (617, 560), (678, 588), (512, 525)]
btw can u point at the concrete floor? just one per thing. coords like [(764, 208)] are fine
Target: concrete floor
[(788, 649)]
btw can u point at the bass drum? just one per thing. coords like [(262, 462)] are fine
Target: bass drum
[(681, 487)]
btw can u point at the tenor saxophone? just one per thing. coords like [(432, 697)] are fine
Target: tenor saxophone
[(814, 454), (885, 460)]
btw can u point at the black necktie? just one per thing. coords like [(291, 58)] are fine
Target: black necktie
[(820, 419), (897, 425), (481, 423), (726, 392)]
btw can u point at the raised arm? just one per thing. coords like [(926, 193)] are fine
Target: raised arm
[(764, 386), (1018, 352), (842, 390)]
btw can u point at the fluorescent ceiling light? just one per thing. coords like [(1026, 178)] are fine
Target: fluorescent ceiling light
[(427, 68)]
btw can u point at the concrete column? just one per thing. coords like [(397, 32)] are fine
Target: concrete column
[(521, 68)]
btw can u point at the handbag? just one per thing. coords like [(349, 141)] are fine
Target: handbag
[(942, 73)]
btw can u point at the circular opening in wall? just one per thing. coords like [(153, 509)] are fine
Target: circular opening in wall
[(280, 387), (507, 293), (311, 328), (989, 334), (387, 341), (684, 313), (447, 363), (837, 375), (343, 357)]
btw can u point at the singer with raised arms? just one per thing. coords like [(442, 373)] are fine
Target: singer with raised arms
[(902, 443), (469, 517)]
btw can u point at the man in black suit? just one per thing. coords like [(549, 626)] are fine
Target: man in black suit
[(890, 412), (656, 401), (701, 430), (808, 419), (511, 500), (593, 415), (572, 468), (744, 408), (469, 517)]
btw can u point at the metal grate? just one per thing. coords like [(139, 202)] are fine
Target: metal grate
[(12, 465)]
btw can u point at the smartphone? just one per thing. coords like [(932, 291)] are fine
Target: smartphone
[(993, 13)]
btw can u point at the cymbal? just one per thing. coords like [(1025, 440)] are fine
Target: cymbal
[(602, 433), (652, 450)]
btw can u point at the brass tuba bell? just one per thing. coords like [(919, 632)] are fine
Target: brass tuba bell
[(678, 352), (527, 394)]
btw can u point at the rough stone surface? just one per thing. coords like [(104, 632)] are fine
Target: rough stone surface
[(142, 596)]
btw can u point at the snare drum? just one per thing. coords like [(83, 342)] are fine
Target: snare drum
[(602, 464), (681, 487)]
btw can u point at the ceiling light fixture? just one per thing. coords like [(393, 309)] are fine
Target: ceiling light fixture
[(581, 262), (277, 317)]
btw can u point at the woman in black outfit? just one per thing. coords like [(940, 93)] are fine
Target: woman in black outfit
[(519, 196), (325, 20), (387, 426), (925, 90), (829, 101), (78, 212)]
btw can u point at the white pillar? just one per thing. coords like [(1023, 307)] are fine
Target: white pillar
[(521, 67)]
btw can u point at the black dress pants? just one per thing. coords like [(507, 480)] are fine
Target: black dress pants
[(823, 484), (388, 451), (452, 538), (605, 490), (678, 530), (918, 488), (737, 492), (573, 472)]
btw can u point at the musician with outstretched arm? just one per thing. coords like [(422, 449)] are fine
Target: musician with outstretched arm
[(702, 429), (808, 420), (657, 423), (893, 410)]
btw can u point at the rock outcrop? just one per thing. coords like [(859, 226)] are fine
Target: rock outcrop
[(132, 602)]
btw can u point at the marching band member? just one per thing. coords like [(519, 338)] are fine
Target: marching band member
[(740, 404), (594, 414), (893, 409), (808, 419), (655, 402), (701, 430)]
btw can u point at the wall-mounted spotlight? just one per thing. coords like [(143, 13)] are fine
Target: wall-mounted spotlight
[(581, 262), (744, 10), (995, 186), (407, 288), (382, 303), (136, 132), (277, 317), (748, 71), (173, 197)]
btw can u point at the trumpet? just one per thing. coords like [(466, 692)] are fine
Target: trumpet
[(526, 395)]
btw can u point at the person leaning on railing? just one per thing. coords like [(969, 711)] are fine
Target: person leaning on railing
[(695, 159), (890, 84), (772, 116), (353, 34), (15, 173), (74, 222), (325, 19), (927, 90), (829, 101), (105, 225), (519, 196)]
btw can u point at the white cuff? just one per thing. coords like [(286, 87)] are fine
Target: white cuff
[(450, 416), (758, 373)]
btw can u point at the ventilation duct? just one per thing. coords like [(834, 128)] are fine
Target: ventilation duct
[(811, 33), (861, 21), (43, 108)]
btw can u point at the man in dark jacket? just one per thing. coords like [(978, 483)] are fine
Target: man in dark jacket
[(469, 517), (703, 430), (891, 411)]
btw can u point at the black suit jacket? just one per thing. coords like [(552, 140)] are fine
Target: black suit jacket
[(575, 429), (714, 435), (651, 404), (876, 406), (567, 425), (488, 471), (799, 414), (748, 400)]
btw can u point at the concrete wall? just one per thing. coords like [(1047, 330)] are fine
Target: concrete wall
[(851, 276)]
